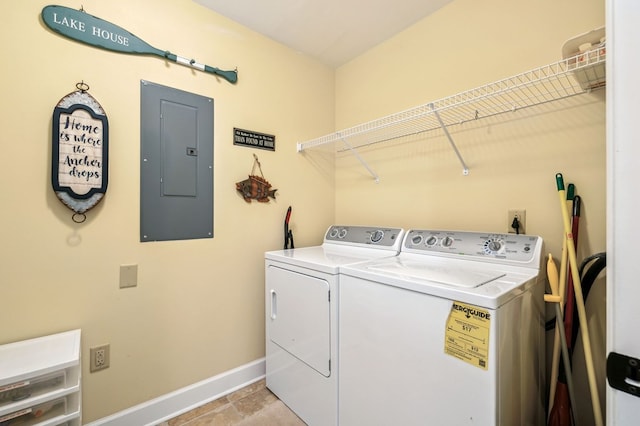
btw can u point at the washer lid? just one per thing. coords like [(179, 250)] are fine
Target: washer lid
[(466, 277), (480, 283)]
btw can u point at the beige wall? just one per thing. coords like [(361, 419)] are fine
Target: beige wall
[(512, 158), (198, 309)]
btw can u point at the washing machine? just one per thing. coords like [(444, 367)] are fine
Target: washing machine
[(449, 332), (301, 295)]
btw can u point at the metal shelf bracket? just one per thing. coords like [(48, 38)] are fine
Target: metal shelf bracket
[(360, 159), (465, 169)]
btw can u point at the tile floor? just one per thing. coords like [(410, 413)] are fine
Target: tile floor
[(250, 406)]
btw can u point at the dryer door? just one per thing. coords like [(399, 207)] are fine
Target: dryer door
[(299, 316)]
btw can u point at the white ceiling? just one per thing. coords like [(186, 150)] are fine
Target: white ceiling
[(333, 31)]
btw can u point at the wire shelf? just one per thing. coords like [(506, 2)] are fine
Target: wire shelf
[(572, 76)]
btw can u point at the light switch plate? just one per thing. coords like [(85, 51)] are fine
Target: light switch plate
[(128, 276)]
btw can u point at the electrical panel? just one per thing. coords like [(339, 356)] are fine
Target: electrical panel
[(176, 164)]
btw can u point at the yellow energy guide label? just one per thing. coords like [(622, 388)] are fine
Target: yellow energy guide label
[(467, 334)]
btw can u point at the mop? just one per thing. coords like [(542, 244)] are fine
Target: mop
[(562, 292)]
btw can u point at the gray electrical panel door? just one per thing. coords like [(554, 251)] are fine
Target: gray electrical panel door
[(176, 164)]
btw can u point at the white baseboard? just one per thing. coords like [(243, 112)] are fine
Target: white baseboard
[(167, 406)]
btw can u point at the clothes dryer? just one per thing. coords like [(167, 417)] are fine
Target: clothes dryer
[(301, 307), (449, 332)]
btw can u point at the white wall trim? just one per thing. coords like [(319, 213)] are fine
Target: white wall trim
[(182, 400)]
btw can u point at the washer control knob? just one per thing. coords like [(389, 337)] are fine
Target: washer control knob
[(416, 239), (376, 236), (431, 241), (447, 241), (342, 233), (333, 233), (492, 245)]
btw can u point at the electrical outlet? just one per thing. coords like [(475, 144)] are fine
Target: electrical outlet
[(98, 358), (521, 215)]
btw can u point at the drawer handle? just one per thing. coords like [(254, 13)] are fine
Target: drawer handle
[(274, 305)]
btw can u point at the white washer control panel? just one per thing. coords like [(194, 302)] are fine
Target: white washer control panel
[(386, 237), (513, 247)]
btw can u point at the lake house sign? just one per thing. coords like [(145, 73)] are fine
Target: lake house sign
[(80, 26), (79, 152)]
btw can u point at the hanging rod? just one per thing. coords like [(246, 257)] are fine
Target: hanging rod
[(571, 76)]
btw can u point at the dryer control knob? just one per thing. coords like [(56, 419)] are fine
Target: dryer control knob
[(376, 236), (431, 241), (447, 241)]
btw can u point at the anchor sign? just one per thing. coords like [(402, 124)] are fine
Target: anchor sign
[(79, 160)]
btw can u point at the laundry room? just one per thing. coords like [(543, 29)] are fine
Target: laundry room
[(175, 305)]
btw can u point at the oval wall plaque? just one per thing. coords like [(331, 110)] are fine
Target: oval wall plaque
[(80, 155)]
